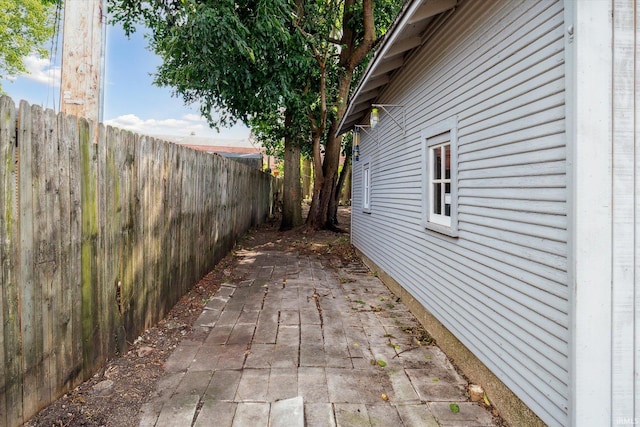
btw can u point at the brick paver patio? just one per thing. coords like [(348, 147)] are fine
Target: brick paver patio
[(298, 343)]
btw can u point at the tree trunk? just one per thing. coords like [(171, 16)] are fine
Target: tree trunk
[(345, 195), (323, 204), (292, 195), (332, 208), (314, 217), (306, 178), (321, 217), (346, 172)]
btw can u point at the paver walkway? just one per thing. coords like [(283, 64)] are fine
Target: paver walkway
[(300, 344)]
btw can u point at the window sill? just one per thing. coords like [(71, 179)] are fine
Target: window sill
[(442, 229)]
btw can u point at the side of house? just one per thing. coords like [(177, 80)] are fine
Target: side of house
[(489, 195), (485, 101)]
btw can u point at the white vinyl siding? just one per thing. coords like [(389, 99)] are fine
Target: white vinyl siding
[(501, 285)]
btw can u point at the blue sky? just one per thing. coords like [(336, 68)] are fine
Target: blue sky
[(131, 100)]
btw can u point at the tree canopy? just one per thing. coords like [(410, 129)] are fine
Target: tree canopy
[(284, 67), (25, 27), (235, 59)]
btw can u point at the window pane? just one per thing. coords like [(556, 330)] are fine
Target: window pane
[(447, 199), (447, 161), (437, 199), (366, 188), (437, 163)]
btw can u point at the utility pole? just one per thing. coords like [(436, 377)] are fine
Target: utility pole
[(83, 59)]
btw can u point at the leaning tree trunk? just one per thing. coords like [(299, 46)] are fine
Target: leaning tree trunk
[(322, 215), (325, 208), (292, 195), (351, 55)]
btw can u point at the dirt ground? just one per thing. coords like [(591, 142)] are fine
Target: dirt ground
[(114, 395)]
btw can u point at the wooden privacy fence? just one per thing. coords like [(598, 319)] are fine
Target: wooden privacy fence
[(98, 242)]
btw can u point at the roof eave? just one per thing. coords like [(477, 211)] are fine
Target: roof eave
[(389, 57)]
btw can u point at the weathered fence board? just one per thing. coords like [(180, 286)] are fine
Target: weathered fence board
[(64, 366), (12, 378), (98, 242), (48, 258), (6, 121), (71, 134), (89, 255), (29, 294)]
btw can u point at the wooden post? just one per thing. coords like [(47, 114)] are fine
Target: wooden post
[(83, 58)]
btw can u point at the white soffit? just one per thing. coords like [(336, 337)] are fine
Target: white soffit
[(406, 34)]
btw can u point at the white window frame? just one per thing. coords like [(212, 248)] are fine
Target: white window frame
[(442, 133), (366, 187)]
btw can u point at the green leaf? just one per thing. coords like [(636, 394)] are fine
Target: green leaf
[(25, 27), (269, 64), (382, 363), (454, 408)]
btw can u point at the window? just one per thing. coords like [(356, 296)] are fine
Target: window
[(366, 187), (439, 157), (440, 179)]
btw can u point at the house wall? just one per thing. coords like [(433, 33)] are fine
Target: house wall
[(501, 286)]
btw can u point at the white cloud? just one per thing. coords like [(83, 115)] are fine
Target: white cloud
[(40, 70), (194, 118), (188, 125), (150, 126)]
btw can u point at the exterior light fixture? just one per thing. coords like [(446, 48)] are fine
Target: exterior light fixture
[(373, 118), (394, 111)]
